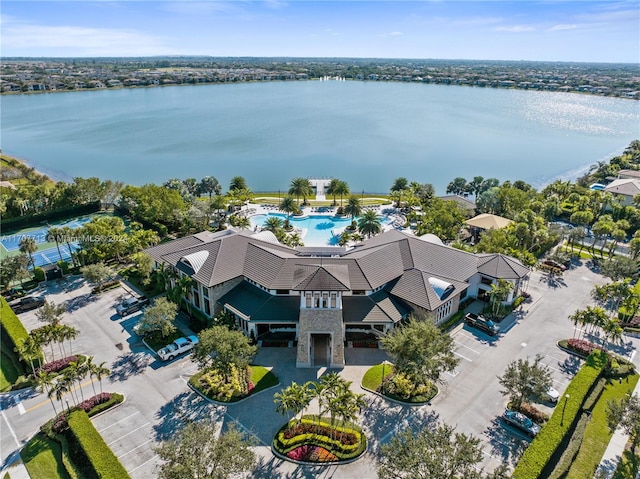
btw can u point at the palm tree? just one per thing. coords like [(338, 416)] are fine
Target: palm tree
[(300, 187), (400, 185), (29, 351), (28, 246), (243, 222), (499, 293), (353, 208), (345, 237), (293, 240), (66, 382), (613, 332), (288, 206), (369, 223), (99, 371), (331, 189), (293, 399), (341, 189), (46, 381), (56, 234), (237, 183), (273, 224)]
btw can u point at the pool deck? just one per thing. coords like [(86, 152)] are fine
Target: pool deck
[(397, 219)]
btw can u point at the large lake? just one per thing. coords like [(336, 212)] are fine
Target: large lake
[(366, 133)]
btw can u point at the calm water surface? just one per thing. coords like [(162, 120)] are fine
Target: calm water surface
[(364, 133)]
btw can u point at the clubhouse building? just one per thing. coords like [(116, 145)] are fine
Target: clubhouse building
[(320, 293)]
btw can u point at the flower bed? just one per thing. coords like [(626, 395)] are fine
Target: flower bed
[(583, 347), (311, 454), (59, 364), (211, 383), (92, 406), (317, 440)]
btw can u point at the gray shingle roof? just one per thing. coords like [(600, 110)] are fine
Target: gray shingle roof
[(376, 308), (498, 265), (331, 277), (252, 303), (414, 286)]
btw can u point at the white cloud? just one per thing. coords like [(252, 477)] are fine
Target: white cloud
[(395, 34), (25, 39), (516, 29), (563, 26)]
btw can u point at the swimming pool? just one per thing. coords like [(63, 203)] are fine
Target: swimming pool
[(317, 229)]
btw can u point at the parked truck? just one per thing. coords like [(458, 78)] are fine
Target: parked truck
[(485, 325)]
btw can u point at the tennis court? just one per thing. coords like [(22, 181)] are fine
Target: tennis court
[(46, 253)]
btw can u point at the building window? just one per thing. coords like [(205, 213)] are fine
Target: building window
[(308, 299), (325, 300), (282, 291), (316, 300), (334, 300), (485, 280)]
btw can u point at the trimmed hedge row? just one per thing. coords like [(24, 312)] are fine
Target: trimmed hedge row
[(572, 449), (52, 215), (11, 328), (533, 462), (90, 452), (341, 451)]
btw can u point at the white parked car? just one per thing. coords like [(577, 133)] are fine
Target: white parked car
[(179, 346), (552, 395)]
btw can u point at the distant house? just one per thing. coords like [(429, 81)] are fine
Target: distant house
[(625, 189), (468, 206)]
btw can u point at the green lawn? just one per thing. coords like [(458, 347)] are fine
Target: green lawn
[(597, 434), (372, 379), (262, 378), (43, 459)]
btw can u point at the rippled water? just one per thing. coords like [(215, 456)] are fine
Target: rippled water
[(365, 133)]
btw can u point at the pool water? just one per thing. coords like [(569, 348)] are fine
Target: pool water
[(318, 230)]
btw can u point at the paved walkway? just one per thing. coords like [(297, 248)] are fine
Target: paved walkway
[(16, 470), (614, 451)]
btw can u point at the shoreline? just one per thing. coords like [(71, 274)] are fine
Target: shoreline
[(23, 161)]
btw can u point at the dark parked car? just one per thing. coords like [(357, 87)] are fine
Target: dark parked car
[(521, 422), (482, 324), (132, 305), (554, 264), (26, 304)]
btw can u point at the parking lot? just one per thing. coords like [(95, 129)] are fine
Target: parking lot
[(159, 399)]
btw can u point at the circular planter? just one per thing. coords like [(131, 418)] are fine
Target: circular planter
[(317, 449)]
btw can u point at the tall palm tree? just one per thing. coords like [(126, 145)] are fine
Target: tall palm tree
[(353, 208), (369, 223), (28, 246), (210, 185), (341, 189), (56, 234), (300, 187), (400, 185), (46, 381), (29, 351), (99, 371), (331, 189), (293, 399), (288, 206)]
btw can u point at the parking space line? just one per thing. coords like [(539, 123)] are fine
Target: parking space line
[(463, 357), (555, 369), (556, 359), (123, 419), (130, 432), (144, 463), (137, 447), (13, 433), (465, 346)]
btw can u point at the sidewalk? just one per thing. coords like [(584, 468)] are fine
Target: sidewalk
[(614, 451), (16, 470)]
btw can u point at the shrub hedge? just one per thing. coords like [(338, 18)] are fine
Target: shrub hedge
[(342, 451), (534, 461), (11, 328), (572, 449), (90, 452), (58, 214)]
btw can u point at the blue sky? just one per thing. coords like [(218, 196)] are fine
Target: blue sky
[(583, 31)]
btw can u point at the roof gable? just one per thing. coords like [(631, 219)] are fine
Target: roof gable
[(332, 277), (498, 265)]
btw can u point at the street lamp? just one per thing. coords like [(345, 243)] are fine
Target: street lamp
[(566, 398), (68, 407)]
